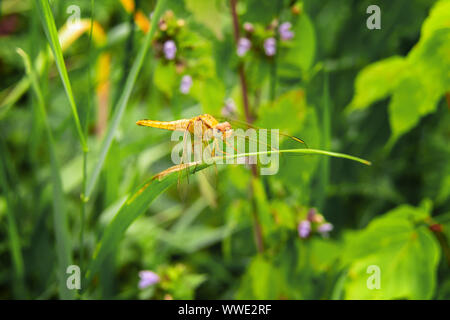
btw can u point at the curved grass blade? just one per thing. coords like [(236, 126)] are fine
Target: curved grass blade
[(63, 245), (135, 205), (138, 202), (123, 100), (48, 23)]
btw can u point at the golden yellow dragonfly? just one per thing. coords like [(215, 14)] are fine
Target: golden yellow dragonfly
[(207, 122)]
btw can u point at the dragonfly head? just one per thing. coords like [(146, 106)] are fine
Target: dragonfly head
[(225, 128)]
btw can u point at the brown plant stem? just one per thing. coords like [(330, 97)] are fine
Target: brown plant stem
[(248, 117)]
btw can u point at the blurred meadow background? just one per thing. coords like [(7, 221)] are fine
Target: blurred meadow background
[(76, 171)]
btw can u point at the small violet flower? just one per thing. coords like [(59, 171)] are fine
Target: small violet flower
[(270, 47), (148, 278), (229, 108), (323, 229), (285, 31), (170, 49), (243, 46), (186, 84), (304, 229)]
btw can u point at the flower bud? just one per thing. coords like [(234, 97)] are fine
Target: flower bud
[(249, 27)]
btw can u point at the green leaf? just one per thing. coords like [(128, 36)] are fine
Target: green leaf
[(287, 112), (439, 18), (261, 281), (299, 56), (405, 252), (417, 82), (210, 93), (425, 81), (209, 13), (377, 81), (165, 78), (411, 100)]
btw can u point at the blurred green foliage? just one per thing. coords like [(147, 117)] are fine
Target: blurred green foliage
[(383, 95)]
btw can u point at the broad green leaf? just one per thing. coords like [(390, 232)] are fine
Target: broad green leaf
[(376, 82), (410, 101), (210, 93), (287, 113), (262, 280), (439, 18), (416, 82), (406, 253), (425, 81), (284, 215), (257, 11), (165, 78), (324, 253), (299, 55), (209, 13)]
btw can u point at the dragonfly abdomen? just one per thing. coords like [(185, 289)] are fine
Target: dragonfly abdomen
[(179, 125)]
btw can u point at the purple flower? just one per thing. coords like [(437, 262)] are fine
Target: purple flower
[(229, 108), (270, 46), (304, 229), (170, 49), (148, 278), (323, 229), (243, 46), (285, 31), (248, 27), (186, 84)]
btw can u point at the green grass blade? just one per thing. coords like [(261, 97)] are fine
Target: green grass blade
[(13, 233), (51, 32), (123, 100), (138, 202), (300, 151), (63, 245)]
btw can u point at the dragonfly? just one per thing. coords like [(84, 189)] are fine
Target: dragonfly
[(201, 124)]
